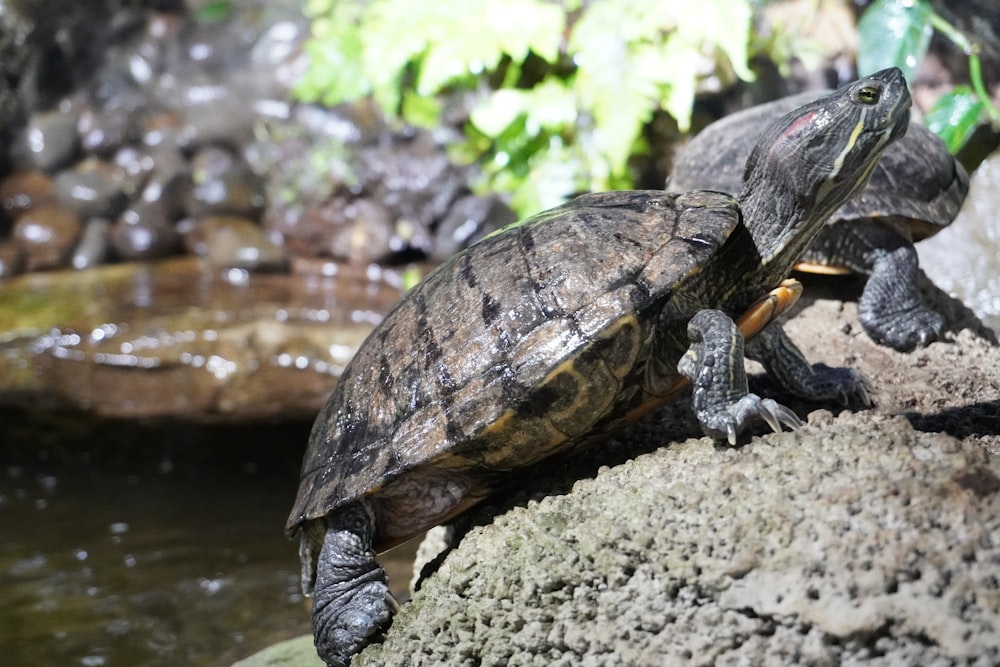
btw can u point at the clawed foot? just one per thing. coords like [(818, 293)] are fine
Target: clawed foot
[(902, 330), (730, 420), (342, 630), (844, 385)]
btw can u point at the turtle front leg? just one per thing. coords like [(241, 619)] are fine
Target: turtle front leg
[(890, 308), (351, 598), (714, 363), (817, 382)]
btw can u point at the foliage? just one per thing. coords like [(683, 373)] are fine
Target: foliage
[(898, 33), (213, 11), (561, 89)]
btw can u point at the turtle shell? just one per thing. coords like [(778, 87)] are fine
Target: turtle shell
[(917, 184), (523, 345)]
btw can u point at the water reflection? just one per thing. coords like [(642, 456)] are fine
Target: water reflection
[(145, 547)]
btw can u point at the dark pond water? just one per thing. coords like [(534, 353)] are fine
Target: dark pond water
[(148, 546)]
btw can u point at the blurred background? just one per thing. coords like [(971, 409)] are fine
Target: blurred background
[(205, 207)]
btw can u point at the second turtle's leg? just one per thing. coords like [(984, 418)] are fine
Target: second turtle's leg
[(818, 382), (351, 598), (890, 308), (722, 401)]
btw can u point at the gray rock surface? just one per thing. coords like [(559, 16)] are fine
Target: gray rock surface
[(962, 259), (854, 541)]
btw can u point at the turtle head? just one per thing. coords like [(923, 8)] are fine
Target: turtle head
[(815, 158)]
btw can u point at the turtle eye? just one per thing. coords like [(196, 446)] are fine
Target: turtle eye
[(868, 95)]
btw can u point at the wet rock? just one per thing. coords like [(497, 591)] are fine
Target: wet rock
[(279, 49), (102, 132), (214, 113), (145, 231), (151, 55), (164, 129), (356, 230), (11, 260), (181, 339), (136, 164), (222, 183), (168, 186), (50, 138), (24, 190), (415, 179), (468, 220), (94, 245), (378, 197), (92, 188), (235, 242), (46, 236)]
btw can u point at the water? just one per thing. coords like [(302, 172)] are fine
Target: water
[(137, 547)]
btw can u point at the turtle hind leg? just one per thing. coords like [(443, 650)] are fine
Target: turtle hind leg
[(817, 382), (351, 598), (714, 363), (890, 308)]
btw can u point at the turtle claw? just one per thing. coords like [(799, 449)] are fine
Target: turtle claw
[(730, 420), (840, 384), (776, 414)]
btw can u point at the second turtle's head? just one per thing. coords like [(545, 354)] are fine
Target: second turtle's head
[(815, 158)]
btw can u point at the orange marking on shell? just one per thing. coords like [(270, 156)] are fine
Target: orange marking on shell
[(823, 269)]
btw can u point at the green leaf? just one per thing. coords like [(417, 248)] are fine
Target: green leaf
[(214, 11), (614, 46), (421, 110), (335, 73), (721, 24), (955, 116), (551, 104), (894, 33)]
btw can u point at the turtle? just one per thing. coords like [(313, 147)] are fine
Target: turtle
[(560, 329), (917, 188)]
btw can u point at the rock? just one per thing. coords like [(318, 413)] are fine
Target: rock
[(860, 540), (955, 258), (104, 131), (298, 652), (470, 218), (180, 339), (46, 235), (50, 139), (92, 249), (92, 188), (222, 183), (25, 190), (11, 259), (145, 231), (230, 241)]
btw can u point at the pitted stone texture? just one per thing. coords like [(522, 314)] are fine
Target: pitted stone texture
[(859, 541)]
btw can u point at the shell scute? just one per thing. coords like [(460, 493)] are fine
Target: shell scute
[(509, 351)]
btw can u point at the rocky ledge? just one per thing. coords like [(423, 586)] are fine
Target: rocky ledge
[(865, 537)]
